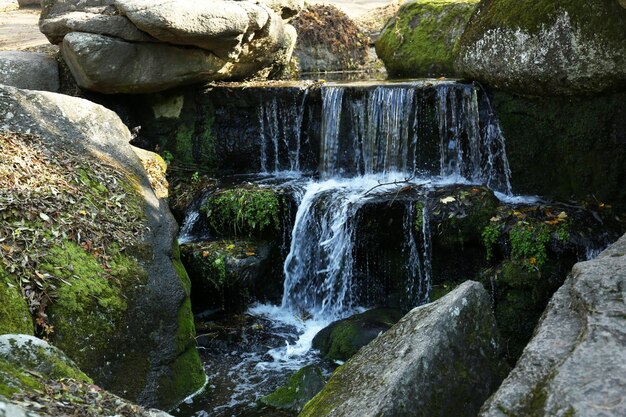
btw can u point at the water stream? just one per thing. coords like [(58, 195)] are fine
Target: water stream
[(372, 141)]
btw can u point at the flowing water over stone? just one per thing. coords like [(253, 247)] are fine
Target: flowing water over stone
[(372, 141)]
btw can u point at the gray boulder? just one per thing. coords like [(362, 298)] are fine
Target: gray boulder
[(286, 9), (217, 26), (29, 70), (56, 27), (546, 47), (575, 365), (140, 345), (441, 359), (109, 65)]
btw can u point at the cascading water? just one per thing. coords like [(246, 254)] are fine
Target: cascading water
[(372, 141)]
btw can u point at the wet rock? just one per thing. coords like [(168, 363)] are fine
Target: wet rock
[(553, 47), (328, 40), (130, 326), (301, 387), (575, 363), (441, 359), (231, 274), (421, 39), (110, 65), (29, 70), (342, 339)]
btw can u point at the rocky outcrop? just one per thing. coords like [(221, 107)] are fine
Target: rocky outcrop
[(422, 39), (576, 362), (441, 359), (550, 47), (39, 379), (121, 306), (299, 389), (328, 40), (342, 339), (123, 46), (29, 70)]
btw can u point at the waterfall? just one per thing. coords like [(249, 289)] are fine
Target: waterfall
[(418, 265), (280, 130), (331, 117)]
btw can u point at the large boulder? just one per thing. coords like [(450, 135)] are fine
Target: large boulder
[(94, 252), (140, 46), (576, 362), (37, 377), (441, 359), (421, 40), (548, 47), (299, 389), (29, 70)]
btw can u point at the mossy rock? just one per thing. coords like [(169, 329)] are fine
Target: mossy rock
[(422, 39), (230, 274), (14, 314), (546, 47), (342, 339), (299, 389)]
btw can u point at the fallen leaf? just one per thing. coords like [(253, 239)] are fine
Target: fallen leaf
[(447, 200)]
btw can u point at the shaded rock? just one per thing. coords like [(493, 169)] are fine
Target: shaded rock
[(39, 378), (109, 65), (421, 40), (301, 387), (29, 70), (576, 362), (552, 47), (231, 274), (128, 325), (29, 352), (56, 27), (328, 40), (441, 359), (24, 3), (342, 339)]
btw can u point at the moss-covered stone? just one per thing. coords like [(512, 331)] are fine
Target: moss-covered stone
[(14, 379), (546, 47), (566, 147), (421, 40), (230, 274), (342, 339), (299, 389), (14, 314)]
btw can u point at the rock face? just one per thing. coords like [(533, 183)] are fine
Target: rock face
[(576, 362), (421, 40), (563, 47), (29, 70), (139, 46), (301, 387), (328, 40), (139, 344), (441, 359)]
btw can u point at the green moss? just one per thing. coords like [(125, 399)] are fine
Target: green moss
[(14, 314), (529, 244), (323, 403), (244, 211), (299, 389), (14, 379), (491, 234), (598, 17), (419, 217), (566, 148), (423, 37), (92, 301)]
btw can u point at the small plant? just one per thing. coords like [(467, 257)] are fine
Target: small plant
[(419, 217), (167, 156), (195, 177), (490, 235), (529, 244), (243, 211), (562, 233)]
